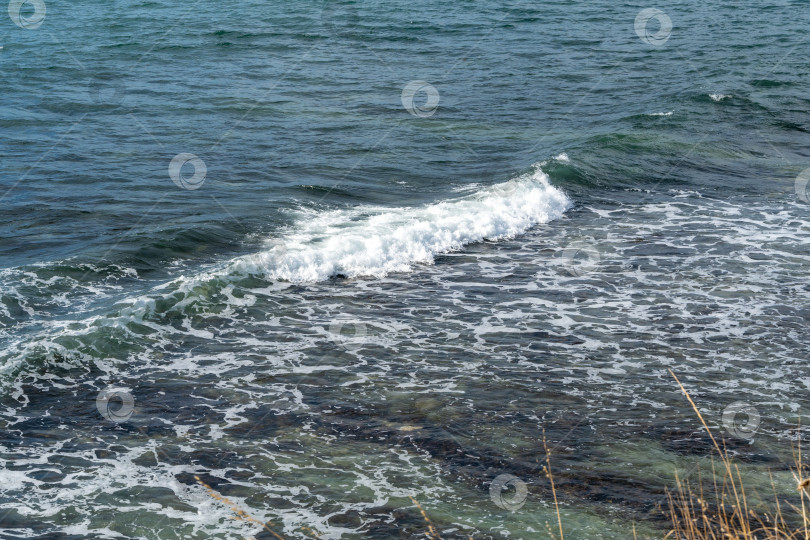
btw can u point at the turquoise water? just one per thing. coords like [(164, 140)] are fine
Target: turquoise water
[(329, 256)]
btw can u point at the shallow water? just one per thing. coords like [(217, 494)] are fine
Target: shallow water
[(372, 295)]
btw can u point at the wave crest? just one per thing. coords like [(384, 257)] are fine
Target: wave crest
[(378, 241)]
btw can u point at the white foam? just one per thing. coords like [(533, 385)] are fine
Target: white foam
[(719, 97), (377, 241), (365, 241), (669, 113)]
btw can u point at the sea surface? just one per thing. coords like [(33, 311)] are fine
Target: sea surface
[(285, 269)]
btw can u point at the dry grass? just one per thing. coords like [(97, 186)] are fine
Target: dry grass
[(728, 515), (241, 515), (547, 471), (432, 533)]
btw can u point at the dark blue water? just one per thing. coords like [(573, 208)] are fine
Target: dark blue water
[(401, 241)]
